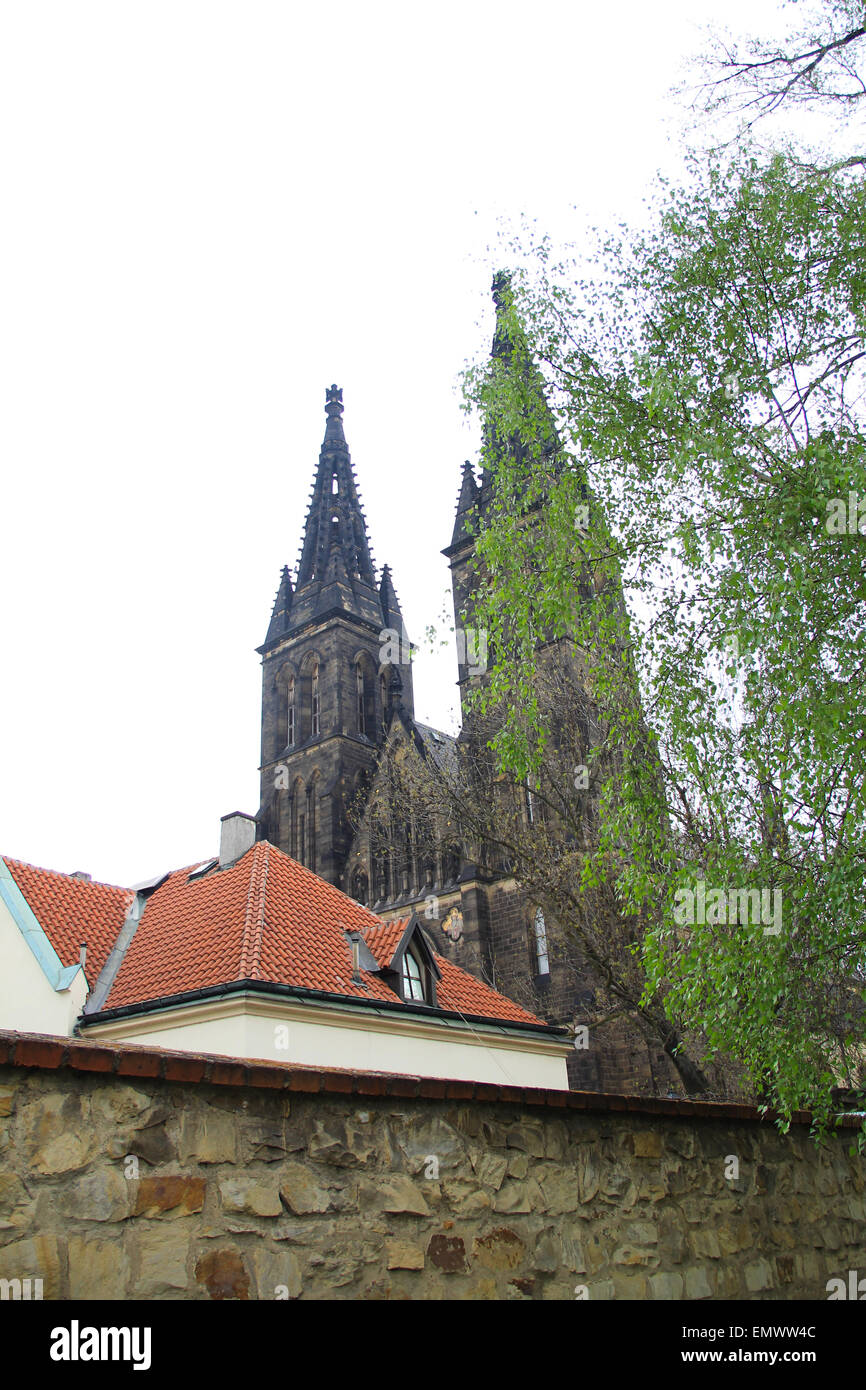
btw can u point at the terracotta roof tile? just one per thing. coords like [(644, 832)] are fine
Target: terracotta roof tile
[(268, 918), (71, 910), (383, 938)]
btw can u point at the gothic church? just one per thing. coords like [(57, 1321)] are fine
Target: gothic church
[(330, 706)]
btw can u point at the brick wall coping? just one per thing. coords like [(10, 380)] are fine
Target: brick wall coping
[(50, 1052)]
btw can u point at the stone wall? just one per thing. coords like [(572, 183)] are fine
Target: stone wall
[(127, 1172)]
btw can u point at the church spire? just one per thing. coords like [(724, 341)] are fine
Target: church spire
[(336, 569), (510, 353), (503, 336), (466, 504), (391, 614), (282, 607), (335, 521)]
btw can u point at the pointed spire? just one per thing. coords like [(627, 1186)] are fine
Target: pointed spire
[(282, 607), (510, 352), (335, 570), (334, 437), (466, 503), (391, 614), (400, 684), (503, 298)]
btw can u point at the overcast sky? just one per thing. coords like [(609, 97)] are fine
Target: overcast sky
[(212, 211)]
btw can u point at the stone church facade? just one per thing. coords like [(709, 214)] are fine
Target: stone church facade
[(337, 694)]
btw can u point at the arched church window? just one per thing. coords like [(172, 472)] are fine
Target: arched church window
[(296, 822), (335, 486), (359, 695), (381, 871), (315, 700), (312, 826), (290, 730), (542, 961)]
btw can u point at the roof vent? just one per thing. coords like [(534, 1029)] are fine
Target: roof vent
[(237, 835), (79, 873)]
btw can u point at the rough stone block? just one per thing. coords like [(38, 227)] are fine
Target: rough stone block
[(172, 1195), (245, 1195), (97, 1268), (403, 1255), (300, 1190), (500, 1249), (103, 1194), (223, 1274), (39, 1257)]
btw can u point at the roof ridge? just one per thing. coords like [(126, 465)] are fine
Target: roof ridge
[(251, 952), (58, 873)]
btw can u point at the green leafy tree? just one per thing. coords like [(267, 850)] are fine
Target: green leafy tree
[(707, 378)]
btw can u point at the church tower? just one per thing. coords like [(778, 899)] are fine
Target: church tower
[(509, 349), (336, 668)]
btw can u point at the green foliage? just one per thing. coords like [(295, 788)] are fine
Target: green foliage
[(707, 379)]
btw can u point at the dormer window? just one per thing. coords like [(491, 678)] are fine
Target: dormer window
[(412, 971), (413, 983)]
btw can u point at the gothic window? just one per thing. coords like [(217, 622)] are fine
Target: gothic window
[(450, 866), (381, 867), (359, 695), (542, 962), (315, 700), (302, 836), (335, 486), (359, 887), (383, 692), (413, 984), (296, 822), (312, 822), (290, 731)]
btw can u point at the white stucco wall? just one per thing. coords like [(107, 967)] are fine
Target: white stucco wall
[(28, 1003), (362, 1048)]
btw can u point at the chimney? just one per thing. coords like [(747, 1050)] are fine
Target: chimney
[(355, 938), (237, 835)]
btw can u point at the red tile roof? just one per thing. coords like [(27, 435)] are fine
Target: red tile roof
[(384, 938), (268, 918), (71, 910)]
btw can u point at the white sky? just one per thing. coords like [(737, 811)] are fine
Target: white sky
[(211, 211)]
